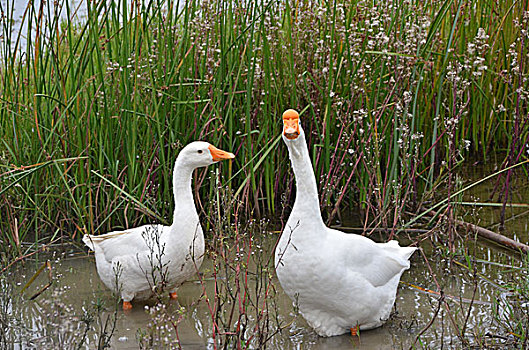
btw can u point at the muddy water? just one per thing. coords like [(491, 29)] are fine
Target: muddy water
[(77, 286)]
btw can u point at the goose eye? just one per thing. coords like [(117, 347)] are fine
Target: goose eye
[(199, 151)]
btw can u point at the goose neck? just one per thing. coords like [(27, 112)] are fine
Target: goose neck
[(307, 205), (183, 195)]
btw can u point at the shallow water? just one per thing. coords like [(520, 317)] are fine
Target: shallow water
[(78, 286)]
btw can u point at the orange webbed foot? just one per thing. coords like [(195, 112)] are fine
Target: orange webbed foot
[(173, 295), (355, 331), (127, 306)]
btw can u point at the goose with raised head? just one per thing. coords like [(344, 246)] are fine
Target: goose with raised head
[(340, 282), (134, 262)]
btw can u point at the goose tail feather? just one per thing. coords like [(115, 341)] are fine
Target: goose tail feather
[(87, 239)]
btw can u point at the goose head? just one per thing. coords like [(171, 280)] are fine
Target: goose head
[(291, 127), (200, 154)]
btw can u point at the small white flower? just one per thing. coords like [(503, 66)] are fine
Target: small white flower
[(407, 97), (482, 35)]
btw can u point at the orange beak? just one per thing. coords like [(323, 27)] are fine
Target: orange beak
[(291, 124), (219, 154)]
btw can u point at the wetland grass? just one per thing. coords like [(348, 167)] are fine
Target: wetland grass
[(396, 96)]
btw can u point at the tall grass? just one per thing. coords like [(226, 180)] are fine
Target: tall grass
[(394, 94)]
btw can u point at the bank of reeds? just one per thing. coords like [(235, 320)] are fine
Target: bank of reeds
[(394, 95)]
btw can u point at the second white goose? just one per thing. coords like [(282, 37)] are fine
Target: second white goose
[(340, 282)]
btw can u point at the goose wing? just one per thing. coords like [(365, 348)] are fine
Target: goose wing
[(120, 243), (378, 263)]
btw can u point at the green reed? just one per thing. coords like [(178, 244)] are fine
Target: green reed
[(394, 95)]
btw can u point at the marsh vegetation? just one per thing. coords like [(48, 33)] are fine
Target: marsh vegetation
[(416, 115)]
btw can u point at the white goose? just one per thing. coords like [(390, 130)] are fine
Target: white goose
[(340, 282), (134, 261)]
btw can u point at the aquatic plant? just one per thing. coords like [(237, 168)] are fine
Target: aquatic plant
[(395, 95), (243, 306)]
